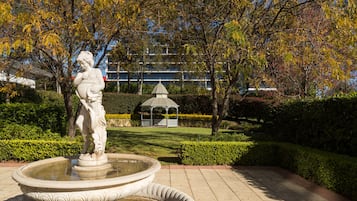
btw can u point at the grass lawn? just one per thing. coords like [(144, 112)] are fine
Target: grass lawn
[(159, 143)]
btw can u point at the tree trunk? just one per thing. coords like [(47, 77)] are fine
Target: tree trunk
[(141, 82), (67, 96), (215, 122), (129, 82)]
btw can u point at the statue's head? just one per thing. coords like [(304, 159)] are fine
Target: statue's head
[(86, 57)]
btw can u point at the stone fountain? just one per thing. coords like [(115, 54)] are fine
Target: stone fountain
[(94, 175)]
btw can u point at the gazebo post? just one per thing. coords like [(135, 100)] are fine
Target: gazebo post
[(177, 116), (167, 116), (151, 120)]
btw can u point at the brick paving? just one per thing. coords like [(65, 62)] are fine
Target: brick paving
[(216, 183)]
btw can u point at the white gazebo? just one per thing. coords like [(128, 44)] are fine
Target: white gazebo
[(158, 102)]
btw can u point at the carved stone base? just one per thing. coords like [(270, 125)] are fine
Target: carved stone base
[(93, 172), (92, 160)]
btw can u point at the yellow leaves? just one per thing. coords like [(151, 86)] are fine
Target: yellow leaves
[(9, 88), (229, 52), (288, 57), (79, 29), (52, 42), (190, 49), (349, 62), (5, 12), (239, 37), (27, 28), (5, 46), (235, 32)]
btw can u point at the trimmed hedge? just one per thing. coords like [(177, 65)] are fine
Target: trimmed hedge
[(327, 124), (335, 172), (29, 132), (227, 153), (115, 103), (252, 107), (187, 120), (118, 116), (45, 116), (32, 150)]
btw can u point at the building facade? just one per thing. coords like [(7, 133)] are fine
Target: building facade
[(152, 67)]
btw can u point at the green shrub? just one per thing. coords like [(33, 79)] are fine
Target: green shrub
[(335, 172), (230, 153), (32, 150), (16, 131), (43, 115), (251, 108), (327, 124), (193, 104), (115, 103)]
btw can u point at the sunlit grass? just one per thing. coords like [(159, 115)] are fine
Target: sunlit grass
[(164, 143), (160, 143)]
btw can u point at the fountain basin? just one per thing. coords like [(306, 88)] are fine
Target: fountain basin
[(36, 183)]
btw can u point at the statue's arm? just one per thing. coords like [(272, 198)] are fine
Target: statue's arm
[(77, 80)]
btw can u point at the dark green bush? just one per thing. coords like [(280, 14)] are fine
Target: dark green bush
[(251, 107), (229, 153), (32, 150), (43, 115), (193, 104), (16, 131), (328, 124), (115, 103), (335, 172)]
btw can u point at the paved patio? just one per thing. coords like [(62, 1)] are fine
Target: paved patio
[(216, 183)]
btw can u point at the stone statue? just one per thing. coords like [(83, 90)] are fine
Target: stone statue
[(91, 120)]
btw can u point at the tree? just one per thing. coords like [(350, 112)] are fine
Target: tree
[(342, 16), (229, 38), (6, 87), (10, 60), (295, 55), (317, 51), (54, 32)]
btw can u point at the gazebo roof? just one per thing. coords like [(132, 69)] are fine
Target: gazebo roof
[(159, 102), (159, 89), (161, 99)]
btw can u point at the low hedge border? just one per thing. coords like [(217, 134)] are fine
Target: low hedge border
[(335, 172), (186, 120), (201, 117), (118, 116), (31, 150)]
